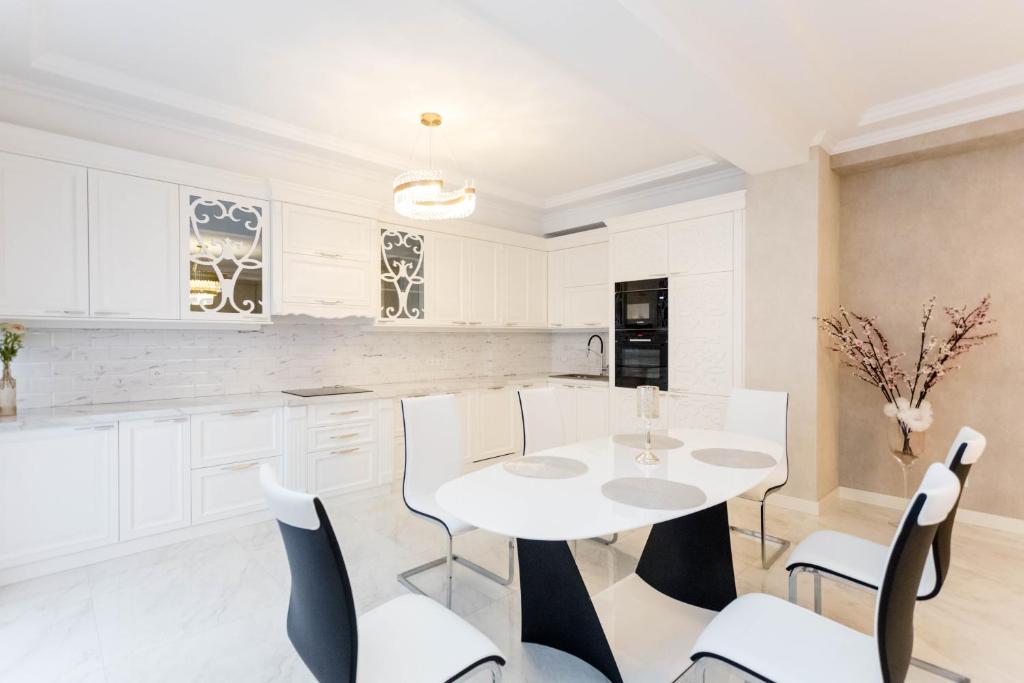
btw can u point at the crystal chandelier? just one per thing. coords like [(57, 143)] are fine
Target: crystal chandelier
[(420, 193)]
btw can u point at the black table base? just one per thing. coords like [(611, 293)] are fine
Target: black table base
[(688, 558)]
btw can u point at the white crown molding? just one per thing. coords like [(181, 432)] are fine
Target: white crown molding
[(696, 208), (630, 181), (613, 208), (948, 120), (991, 82)]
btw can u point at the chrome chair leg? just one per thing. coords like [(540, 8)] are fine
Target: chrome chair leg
[(448, 560), (817, 586), (939, 671), (766, 561)]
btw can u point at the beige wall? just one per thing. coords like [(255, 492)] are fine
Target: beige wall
[(952, 227), (791, 254)]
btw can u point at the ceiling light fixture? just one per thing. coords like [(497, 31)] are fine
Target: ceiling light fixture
[(420, 193)]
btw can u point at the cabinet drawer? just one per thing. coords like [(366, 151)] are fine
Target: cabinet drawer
[(236, 436), (326, 438), (229, 490), (342, 470), (340, 413), (326, 281)]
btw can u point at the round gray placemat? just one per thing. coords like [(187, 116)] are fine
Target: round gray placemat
[(546, 467), (653, 494), (658, 441), (734, 457)]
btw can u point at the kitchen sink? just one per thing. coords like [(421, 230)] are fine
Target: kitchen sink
[(593, 378)]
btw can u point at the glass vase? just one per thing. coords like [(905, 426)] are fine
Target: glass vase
[(647, 410), (907, 447), (8, 392)]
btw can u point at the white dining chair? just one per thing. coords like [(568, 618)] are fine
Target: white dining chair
[(409, 638), (434, 455), (858, 562), (763, 414), (777, 640), (543, 428)]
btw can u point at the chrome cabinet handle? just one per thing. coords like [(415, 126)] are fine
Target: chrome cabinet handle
[(385, 320), (593, 324), (96, 428), (239, 467), (343, 451), (345, 436), (499, 388), (475, 322), (346, 412), (640, 341), (511, 324), (111, 313), (172, 419), (329, 302), (239, 413), (66, 312), (556, 324), (330, 254)]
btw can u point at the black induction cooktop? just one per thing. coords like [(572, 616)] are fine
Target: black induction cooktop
[(336, 390)]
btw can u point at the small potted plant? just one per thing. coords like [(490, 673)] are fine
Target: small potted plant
[(9, 346)]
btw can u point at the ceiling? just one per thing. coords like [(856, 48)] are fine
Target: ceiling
[(546, 103)]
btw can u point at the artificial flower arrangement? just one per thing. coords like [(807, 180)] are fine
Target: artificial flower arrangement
[(865, 349), (10, 344)]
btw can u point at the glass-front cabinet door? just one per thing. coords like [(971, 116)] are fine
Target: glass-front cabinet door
[(401, 275), (224, 260)]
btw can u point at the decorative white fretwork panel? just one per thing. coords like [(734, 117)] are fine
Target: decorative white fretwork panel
[(225, 274), (701, 333), (401, 275)]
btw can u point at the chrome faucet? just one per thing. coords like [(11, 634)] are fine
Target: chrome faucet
[(604, 366)]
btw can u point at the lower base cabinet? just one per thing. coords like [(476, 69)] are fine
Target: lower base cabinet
[(153, 482), (58, 492), (585, 410), (342, 470), (492, 426), (230, 490)]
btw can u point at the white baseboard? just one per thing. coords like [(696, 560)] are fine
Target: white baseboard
[(809, 507), (973, 517)]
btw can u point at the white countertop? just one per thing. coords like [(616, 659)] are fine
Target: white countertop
[(101, 413), (508, 504)]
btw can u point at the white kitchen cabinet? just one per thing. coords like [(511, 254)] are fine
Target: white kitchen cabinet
[(230, 490), (223, 256), (342, 470), (325, 263), (445, 286), (701, 245), (491, 418), (134, 255), (587, 306), (44, 238), (58, 492), (153, 483), (336, 283), (586, 265), (329, 234), (234, 436), (640, 254), (482, 269), (701, 345), (592, 412), (556, 288), (584, 409), (525, 288)]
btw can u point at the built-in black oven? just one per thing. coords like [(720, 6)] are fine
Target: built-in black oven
[(641, 304), (641, 357)]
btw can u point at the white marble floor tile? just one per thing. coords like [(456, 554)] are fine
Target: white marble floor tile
[(213, 609)]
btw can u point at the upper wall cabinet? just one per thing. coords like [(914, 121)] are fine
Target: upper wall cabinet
[(134, 255), (525, 288), (402, 270), (324, 263), (639, 254), (701, 245), (445, 300), (224, 264), (482, 276), (44, 239), (578, 292)]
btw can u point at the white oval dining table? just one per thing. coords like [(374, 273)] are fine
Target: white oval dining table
[(640, 628)]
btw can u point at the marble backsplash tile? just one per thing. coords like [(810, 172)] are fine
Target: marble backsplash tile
[(67, 367)]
